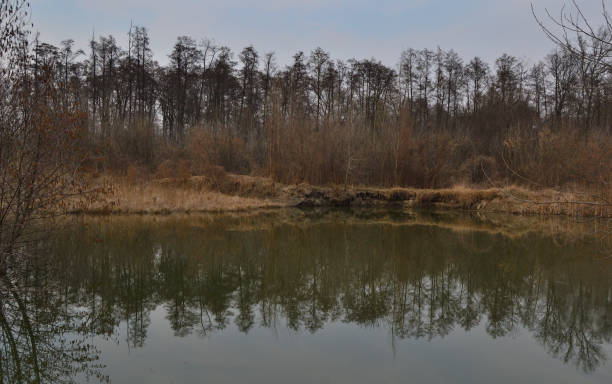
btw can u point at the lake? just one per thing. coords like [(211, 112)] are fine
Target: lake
[(312, 296)]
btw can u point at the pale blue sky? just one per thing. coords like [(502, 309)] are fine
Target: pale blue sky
[(357, 28)]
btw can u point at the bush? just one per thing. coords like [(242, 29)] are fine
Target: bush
[(174, 169), (206, 149)]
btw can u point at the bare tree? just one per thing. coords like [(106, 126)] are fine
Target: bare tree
[(266, 81), (563, 76), (477, 72), (318, 61), (537, 75), (39, 138), (249, 92), (574, 32)]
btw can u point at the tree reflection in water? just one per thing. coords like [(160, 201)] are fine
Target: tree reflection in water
[(43, 337), (417, 281)]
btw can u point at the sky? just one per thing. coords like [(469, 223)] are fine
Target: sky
[(345, 28)]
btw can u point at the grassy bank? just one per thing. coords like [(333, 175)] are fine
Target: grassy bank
[(239, 193), (118, 196)]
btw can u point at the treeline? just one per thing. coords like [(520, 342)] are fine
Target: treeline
[(432, 120)]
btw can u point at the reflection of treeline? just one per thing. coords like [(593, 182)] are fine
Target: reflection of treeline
[(431, 120), (43, 338), (420, 282)]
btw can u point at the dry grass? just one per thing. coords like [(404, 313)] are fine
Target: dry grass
[(512, 199), (154, 197), (239, 193), (519, 200)]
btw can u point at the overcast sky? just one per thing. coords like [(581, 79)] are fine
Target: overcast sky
[(345, 28)]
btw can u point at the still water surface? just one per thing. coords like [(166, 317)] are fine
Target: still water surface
[(312, 297)]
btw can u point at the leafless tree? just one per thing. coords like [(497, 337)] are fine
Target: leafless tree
[(574, 32), (39, 138)]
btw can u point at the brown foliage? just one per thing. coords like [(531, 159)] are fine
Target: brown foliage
[(206, 149), (176, 169)]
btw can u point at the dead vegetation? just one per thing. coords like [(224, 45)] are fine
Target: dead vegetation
[(164, 196), (219, 191)]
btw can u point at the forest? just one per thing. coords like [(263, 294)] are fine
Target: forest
[(71, 117), (433, 120), (112, 129)]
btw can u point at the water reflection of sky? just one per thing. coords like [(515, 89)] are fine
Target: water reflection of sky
[(337, 353), (326, 298)]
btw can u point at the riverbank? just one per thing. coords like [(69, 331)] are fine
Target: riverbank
[(231, 193)]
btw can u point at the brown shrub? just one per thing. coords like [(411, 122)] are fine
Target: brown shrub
[(183, 170), (480, 170), (174, 169), (135, 173), (201, 149), (216, 177), (165, 169), (559, 158), (206, 149)]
